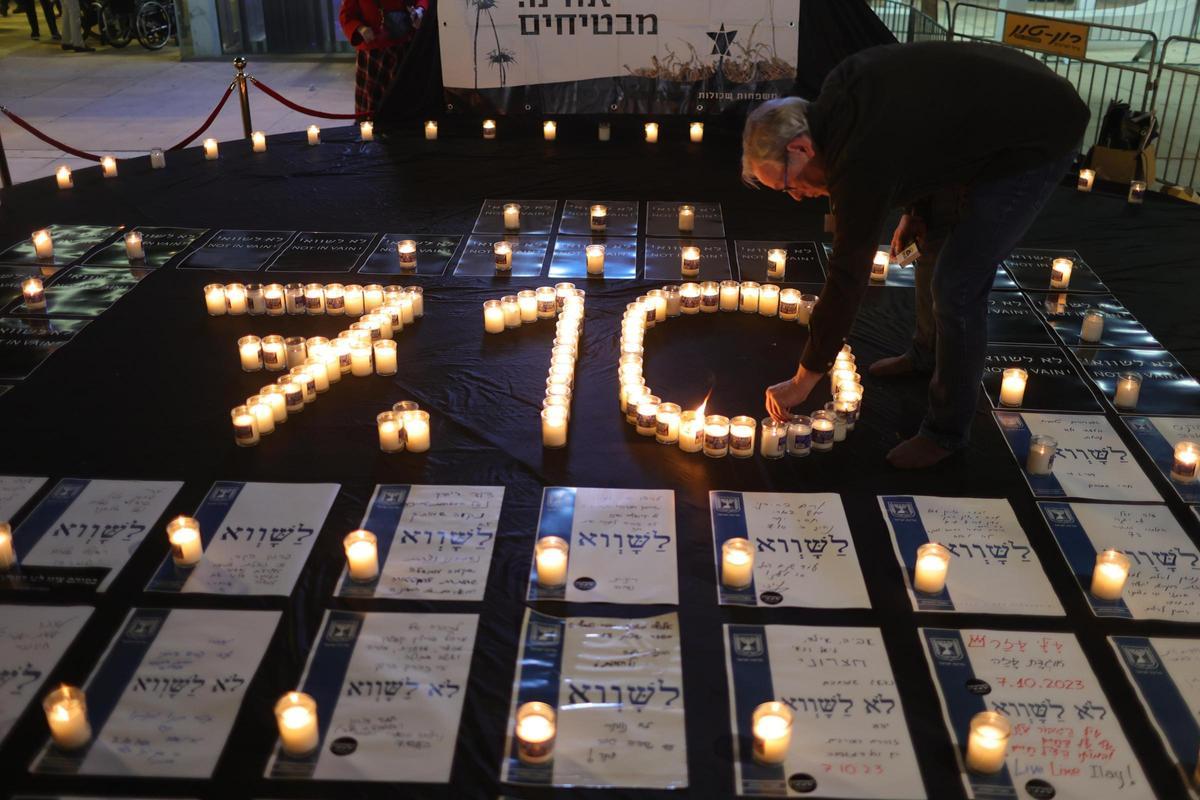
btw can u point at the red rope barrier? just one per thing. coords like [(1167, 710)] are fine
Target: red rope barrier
[(207, 122), (312, 112), (48, 140)]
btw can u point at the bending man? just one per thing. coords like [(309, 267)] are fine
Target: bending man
[(987, 125)]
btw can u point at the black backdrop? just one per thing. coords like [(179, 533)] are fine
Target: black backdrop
[(145, 390)]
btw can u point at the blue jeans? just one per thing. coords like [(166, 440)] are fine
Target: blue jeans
[(995, 216)]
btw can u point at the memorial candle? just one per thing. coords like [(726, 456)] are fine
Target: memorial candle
[(133, 247), (823, 427), (551, 554), (493, 317), (631, 387), (737, 563), (667, 423), (1087, 179), (879, 267), (385, 357), (431, 130), (689, 258), (8, 556), (691, 431), (274, 352), (1060, 273), (527, 303), (274, 396), (504, 255), (354, 300), (391, 432), (652, 132), (406, 250), (293, 298), (547, 303), (687, 218), (535, 732), (1183, 465), (710, 293), (66, 714), (489, 129), (512, 216), (366, 129), (646, 419), (1137, 192), (43, 248), (696, 132), (987, 742), (549, 130), (672, 296), (1042, 450), (295, 350), (211, 150), (108, 166), (296, 719), (804, 311), (772, 727), (372, 297), (63, 176), (730, 293), (839, 421), (1012, 387), (183, 534), (774, 439), (315, 367), (263, 412), (1093, 326), (362, 556), (360, 359), (929, 573), (598, 218), (250, 351), (789, 304), (258, 142), (595, 259), (1129, 386), (716, 436), (33, 294), (158, 159), (800, 436), (314, 135), (554, 427), (776, 263), (749, 294), (235, 298), (1109, 575), (416, 429), (741, 436), (293, 393)]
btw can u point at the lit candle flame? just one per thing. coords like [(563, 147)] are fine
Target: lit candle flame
[(700, 410)]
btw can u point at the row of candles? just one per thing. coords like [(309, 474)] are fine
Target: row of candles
[(43, 246), (566, 302), (212, 151), (332, 299), (550, 131), (1014, 381), (1087, 180)]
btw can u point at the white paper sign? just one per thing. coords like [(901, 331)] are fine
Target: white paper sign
[(389, 708), (163, 699), (257, 537), (849, 737), (993, 569), (1065, 735), (617, 685), (1166, 674), (15, 491), (803, 551), (1091, 461), (435, 542), (32, 640), (622, 545), (88, 526), (1165, 565)]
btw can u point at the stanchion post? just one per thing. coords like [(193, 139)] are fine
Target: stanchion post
[(5, 175), (239, 64)]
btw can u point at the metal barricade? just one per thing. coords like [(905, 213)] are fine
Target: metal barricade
[(1097, 80), (1177, 96), (1163, 18), (908, 23)]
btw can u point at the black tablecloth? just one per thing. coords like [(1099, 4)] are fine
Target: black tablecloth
[(145, 390)]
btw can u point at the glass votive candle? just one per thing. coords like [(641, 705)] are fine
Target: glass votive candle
[(134, 250), (789, 304), (511, 310), (335, 299), (839, 421), (296, 720), (527, 303), (1183, 464), (776, 263), (293, 298), (771, 724), (296, 350), (235, 299), (671, 295), (658, 302), (390, 428), (932, 565), (651, 129), (417, 295), (687, 218), (274, 352), (372, 297), (804, 311), (66, 714), (667, 423), (646, 418), (1129, 386), (691, 432), (824, 425), (187, 547), (800, 431), (554, 425), (749, 295), (768, 300), (258, 142), (211, 149), (250, 353), (987, 742), (634, 396), (604, 131), (1110, 574), (741, 436), (737, 563), (716, 436), (689, 298), (504, 256), (314, 135), (316, 366), (158, 159), (489, 129), (551, 554), (689, 262), (594, 255), (1041, 455), (1060, 273), (362, 556), (1137, 192), (360, 358), (549, 130), (384, 352), (293, 393), (535, 732), (696, 132), (263, 412), (849, 397), (1087, 179), (1012, 387), (730, 294), (598, 218), (710, 295), (416, 430), (879, 266), (631, 387), (353, 294), (493, 316), (773, 443), (1093, 326), (63, 177), (314, 298), (43, 250), (273, 395), (33, 294), (366, 130), (512, 217), (256, 302)]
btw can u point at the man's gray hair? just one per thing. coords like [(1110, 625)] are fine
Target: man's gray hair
[(768, 130)]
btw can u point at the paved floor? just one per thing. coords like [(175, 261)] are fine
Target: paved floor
[(127, 101)]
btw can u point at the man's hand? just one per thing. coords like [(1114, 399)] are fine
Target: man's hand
[(782, 397), (911, 229), (417, 13), (366, 33)]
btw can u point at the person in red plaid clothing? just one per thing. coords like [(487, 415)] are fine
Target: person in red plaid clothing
[(379, 30)]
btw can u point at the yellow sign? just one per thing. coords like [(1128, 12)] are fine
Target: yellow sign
[(1046, 35)]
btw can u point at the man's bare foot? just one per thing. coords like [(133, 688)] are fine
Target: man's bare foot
[(919, 452), (891, 367)]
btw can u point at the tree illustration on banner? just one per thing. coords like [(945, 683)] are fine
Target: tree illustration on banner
[(501, 56)]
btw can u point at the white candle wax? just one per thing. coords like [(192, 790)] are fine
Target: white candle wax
[(66, 714), (595, 259), (250, 351), (554, 427), (987, 742), (730, 293), (737, 563), (43, 248), (804, 311), (1012, 387), (211, 150), (431, 130), (1060, 273), (666, 429), (768, 300), (772, 728), (672, 295), (493, 317), (133, 246), (245, 427), (391, 432), (108, 166), (512, 311), (417, 294), (696, 132), (1109, 575), (741, 436), (360, 359), (235, 298), (274, 396), (933, 564), (33, 294), (750, 292), (187, 547), (527, 302), (535, 732), (687, 219), (63, 177), (296, 718), (551, 555), (789, 304), (1042, 450), (8, 555), (372, 297), (262, 411), (366, 130), (416, 430), (716, 436), (512, 217), (691, 432), (385, 357), (317, 367), (258, 142), (314, 135), (362, 555), (1129, 386), (651, 132), (549, 130), (776, 263), (822, 433), (1093, 326)]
